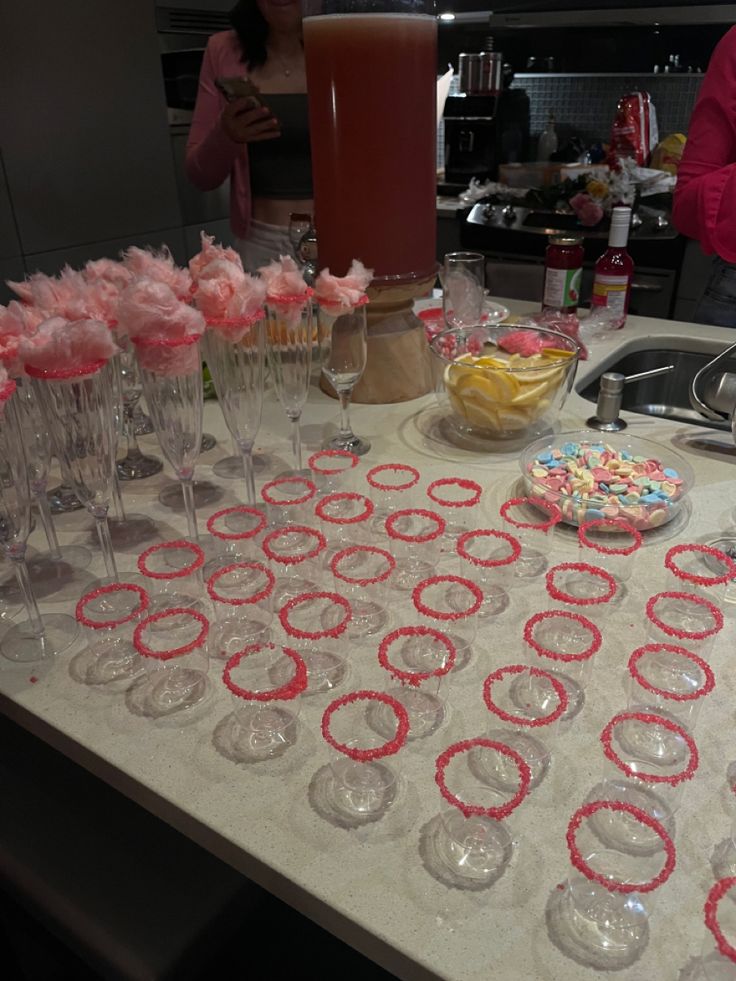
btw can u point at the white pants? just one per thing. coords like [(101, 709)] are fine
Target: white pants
[(263, 244)]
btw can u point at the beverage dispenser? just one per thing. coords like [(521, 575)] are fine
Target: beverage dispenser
[(371, 83)]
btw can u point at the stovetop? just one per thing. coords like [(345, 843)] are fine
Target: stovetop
[(650, 223)]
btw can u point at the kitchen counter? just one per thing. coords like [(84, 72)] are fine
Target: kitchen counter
[(369, 887)]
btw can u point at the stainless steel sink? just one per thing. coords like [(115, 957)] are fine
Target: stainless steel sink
[(667, 395)]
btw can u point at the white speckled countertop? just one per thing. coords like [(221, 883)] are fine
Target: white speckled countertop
[(369, 887)]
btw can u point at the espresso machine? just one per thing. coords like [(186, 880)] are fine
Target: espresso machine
[(486, 123)]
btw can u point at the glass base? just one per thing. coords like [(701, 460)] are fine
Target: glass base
[(64, 574), (205, 493), (495, 602), (63, 499), (20, 643), (499, 771), (353, 444), (208, 442), (536, 697), (367, 619), (111, 665), (138, 467), (360, 792), (255, 733), (466, 853), (408, 574), (230, 468), (593, 926)]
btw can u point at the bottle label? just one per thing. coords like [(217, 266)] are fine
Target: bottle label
[(610, 292), (562, 288)]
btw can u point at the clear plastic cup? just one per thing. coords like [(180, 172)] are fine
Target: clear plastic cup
[(172, 576), (718, 959), (700, 569), (266, 682), (487, 557), (416, 537), (289, 501), (668, 680), (523, 727), (107, 617), (533, 522), (581, 587), (333, 470), (239, 530), (392, 487), (296, 556), (345, 519), (317, 623), (566, 643), (450, 604), (612, 543), (362, 575), (457, 499), (172, 645), (242, 595), (686, 618)]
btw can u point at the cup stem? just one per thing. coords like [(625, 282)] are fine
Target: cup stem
[(108, 554), (187, 490), (346, 431), (296, 440), (250, 480), (29, 600), (117, 498), (44, 513)]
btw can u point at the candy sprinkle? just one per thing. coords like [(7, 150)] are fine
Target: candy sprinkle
[(590, 480)]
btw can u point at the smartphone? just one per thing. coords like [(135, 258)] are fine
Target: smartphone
[(239, 88)]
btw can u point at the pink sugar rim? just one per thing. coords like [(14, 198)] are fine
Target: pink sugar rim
[(421, 607), (353, 550), (248, 321), (53, 374), (379, 752), (562, 615), (684, 634), (555, 515), (717, 891), (197, 561), (7, 390), (461, 482), (291, 689), (243, 601), (670, 564), (460, 547), (294, 299), (593, 570), (344, 496), (650, 717), (105, 591), (706, 688), (313, 461), (332, 632), (523, 720), (240, 535), (272, 536), (392, 468), (415, 539), (467, 810), (619, 523), (591, 808), (172, 342), (415, 678), (146, 651), (310, 491), (344, 306)]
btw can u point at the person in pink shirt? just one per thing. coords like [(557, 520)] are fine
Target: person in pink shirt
[(263, 148), (705, 196)]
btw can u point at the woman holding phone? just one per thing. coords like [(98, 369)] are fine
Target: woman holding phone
[(251, 124)]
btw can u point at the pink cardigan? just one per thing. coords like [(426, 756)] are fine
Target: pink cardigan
[(211, 155), (705, 196)]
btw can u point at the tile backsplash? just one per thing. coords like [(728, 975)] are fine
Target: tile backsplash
[(586, 103)]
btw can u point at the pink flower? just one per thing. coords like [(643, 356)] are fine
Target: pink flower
[(588, 211)]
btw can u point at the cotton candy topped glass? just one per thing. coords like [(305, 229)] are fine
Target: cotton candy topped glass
[(503, 382)]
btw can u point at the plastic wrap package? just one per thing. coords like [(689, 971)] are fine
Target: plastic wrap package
[(634, 133), (582, 327)]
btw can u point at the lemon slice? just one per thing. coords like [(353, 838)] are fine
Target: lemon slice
[(556, 354), (511, 419), (499, 387), (553, 375), (530, 394)]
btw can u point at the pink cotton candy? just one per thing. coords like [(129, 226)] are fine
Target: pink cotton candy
[(283, 279), (17, 320), (62, 345), (151, 310), (211, 253), (565, 323), (108, 271), (223, 292), (160, 267), (523, 342), (343, 292)]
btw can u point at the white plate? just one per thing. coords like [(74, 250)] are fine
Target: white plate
[(493, 313)]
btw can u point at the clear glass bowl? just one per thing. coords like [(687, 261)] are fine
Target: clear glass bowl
[(500, 382), (643, 515)]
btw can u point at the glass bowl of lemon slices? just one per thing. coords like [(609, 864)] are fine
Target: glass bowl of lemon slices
[(502, 382)]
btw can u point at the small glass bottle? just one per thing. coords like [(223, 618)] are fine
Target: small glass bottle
[(563, 273), (614, 270)]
